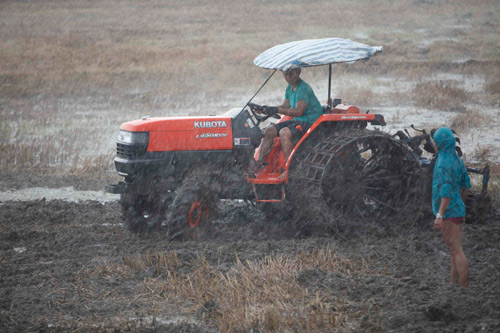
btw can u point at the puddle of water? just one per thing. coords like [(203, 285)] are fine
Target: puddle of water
[(91, 225), (471, 83), (149, 320), (66, 194), (20, 249), (361, 35), (430, 41)]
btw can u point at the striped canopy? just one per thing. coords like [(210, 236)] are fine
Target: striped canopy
[(314, 52)]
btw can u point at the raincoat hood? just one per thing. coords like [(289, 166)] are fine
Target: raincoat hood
[(444, 139)]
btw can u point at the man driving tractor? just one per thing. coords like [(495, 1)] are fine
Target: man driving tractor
[(301, 104)]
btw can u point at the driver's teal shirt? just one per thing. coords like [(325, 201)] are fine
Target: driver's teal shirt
[(304, 92)]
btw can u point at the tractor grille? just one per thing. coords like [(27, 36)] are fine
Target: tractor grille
[(129, 151)]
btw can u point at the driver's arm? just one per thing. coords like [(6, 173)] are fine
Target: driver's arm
[(297, 111), (286, 104)]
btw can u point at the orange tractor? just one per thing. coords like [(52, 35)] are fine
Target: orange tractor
[(176, 169)]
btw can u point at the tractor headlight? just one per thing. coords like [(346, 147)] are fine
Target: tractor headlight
[(131, 145), (133, 138)]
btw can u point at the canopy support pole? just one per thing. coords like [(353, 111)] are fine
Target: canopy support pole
[(262, 86), (329, 101)]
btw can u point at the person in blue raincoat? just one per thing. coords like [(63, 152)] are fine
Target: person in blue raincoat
[(450, 183)]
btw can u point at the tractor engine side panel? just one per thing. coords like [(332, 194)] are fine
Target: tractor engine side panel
[(173, 145), (194, 134)]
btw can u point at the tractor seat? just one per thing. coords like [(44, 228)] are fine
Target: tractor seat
[(328, 108)]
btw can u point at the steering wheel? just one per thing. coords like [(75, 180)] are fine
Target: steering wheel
[(272, 111), (267, 112)]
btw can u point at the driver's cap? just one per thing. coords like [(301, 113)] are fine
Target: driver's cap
[(291, 67)]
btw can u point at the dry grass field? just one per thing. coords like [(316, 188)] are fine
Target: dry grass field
[(72, 71)]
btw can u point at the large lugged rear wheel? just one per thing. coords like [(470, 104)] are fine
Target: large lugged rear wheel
[(362, 173)]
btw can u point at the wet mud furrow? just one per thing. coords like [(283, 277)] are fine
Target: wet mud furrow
[(74, 266)]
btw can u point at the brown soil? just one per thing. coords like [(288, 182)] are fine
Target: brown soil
[(61, 269)]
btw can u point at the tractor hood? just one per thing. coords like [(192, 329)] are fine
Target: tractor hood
[(184, 133), (177, 124)]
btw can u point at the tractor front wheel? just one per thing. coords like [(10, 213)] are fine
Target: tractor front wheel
[(143, 212), (194, 207)]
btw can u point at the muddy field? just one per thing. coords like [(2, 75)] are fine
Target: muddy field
[(73, 266), (71, 72)]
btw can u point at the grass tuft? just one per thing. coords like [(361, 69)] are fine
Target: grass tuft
[(265, 295), (466, 120), (493, 87), (481, 152), (441, 95)]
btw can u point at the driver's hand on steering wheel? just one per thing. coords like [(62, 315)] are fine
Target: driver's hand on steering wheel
[(272, 111), (261, 110), (268, 111), (257, 108)]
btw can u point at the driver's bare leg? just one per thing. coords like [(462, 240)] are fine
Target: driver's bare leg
[(267, 143), (286, 142), (286, 145)]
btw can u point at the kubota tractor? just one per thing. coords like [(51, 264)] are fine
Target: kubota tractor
[(175, 169)]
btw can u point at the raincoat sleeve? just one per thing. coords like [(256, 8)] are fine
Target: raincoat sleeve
[(446, 179), (465, 180)]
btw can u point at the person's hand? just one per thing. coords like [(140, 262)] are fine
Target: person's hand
[(272, 111), (438, 223), (257, 108)]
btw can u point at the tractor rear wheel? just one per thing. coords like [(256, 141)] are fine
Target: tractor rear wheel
[(363, 174)]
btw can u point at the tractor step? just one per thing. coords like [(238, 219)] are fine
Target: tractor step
[(268, 178), (269, 192)]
